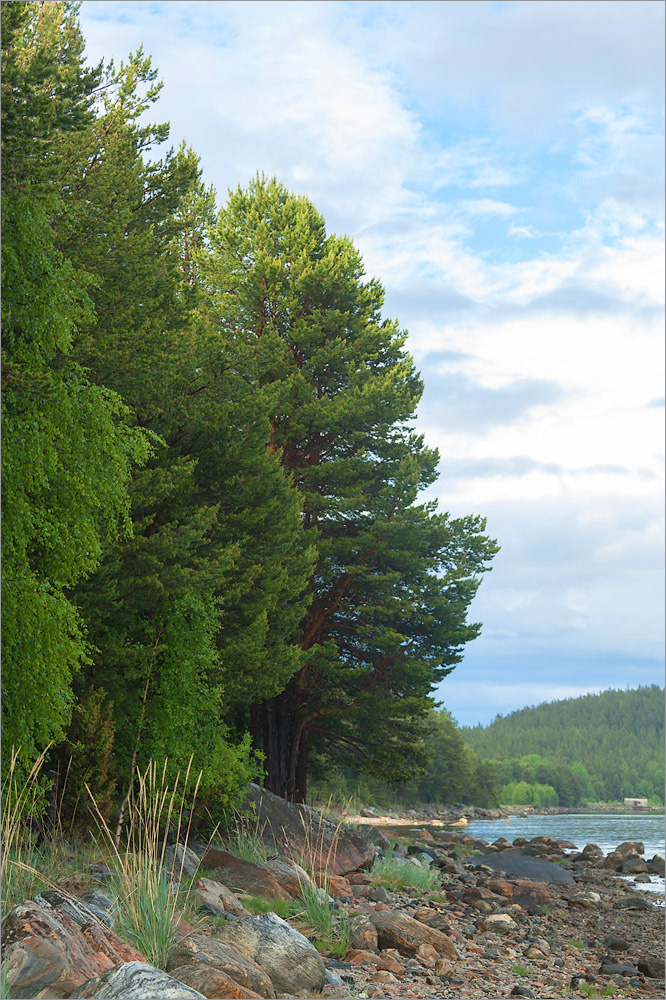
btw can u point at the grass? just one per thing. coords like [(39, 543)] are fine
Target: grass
[(149, 894), (246, 841), (520, 970), (577, 942), (395, 874), (330, 929), (258, 904)]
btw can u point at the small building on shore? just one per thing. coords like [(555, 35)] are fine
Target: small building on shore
[(635, 803)]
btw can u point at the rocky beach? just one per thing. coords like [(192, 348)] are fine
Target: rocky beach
[(530, 918)]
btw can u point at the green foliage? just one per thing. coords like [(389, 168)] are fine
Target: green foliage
[(332, 931), (85, 759), (599, 747), (520, 970), (257, 904), (67, 449)]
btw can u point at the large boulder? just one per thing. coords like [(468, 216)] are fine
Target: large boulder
[(242, 876), (222, 956), (303, 833), (398, 930), (534, 869), (293, 964), (45, 952), (135, 981), (521, 891)]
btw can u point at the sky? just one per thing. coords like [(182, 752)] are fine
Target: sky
[(500, 167)]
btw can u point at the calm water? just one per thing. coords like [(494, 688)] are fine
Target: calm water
[(606, 830)]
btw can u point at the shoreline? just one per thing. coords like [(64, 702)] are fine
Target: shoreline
[(461, 818)]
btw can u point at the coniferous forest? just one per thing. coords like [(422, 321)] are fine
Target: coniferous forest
[(598, 747), (213, 538)]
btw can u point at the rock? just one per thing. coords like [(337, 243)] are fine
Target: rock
[(217, 898), (242, 876), (382, 976), (333, 979), (135, 981), (587, 899), (443, 968), (433, 918), (376, 837), (289, 875), (398, 930), (103, 902), (613, 861), (616, 944), (634, 865), (521, 891), (427, 956), (615, 969), (533, 869), (634, 902), (335, 885), (291, 961), (301, 831), (359, 878), (80, 911), (212, 982), (199, 949), (651, 966), (643, 879), (498, 923), (521, 991), (369, 812), (628, 847), (656, 865), (44, 949), (180, 860), (381, 895), (426, 836), (362, 932)]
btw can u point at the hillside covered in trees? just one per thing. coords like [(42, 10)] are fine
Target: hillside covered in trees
[(213, 538), (599, 747)]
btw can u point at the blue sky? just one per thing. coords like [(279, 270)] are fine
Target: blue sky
[(500, 167)]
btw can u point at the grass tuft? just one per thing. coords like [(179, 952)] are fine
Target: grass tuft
[(393, 873)]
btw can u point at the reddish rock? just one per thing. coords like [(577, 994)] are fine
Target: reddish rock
[(288, 874), (427, 956), (358, 878), (213, 982), (198, 949), (521, 891), (242, 876), (362, 932), (45, 952), (335, 885), (397, 930)]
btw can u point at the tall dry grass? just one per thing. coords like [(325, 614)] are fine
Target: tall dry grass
[(149, 891)]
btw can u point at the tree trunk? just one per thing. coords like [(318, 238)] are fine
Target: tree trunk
[(278, 732)]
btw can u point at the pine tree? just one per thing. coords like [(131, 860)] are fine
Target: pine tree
[(393, 578)]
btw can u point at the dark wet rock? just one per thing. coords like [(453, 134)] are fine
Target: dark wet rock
[(521, 991), (135, 981), (634, 865), (634, 902), (535, 869)]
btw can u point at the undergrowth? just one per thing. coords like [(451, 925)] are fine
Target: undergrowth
[(392, 873)]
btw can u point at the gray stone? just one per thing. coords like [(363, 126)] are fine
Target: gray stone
[(201, 949), (616, 969), (651, 966), (135, 981), (536, 869), (181, 859), (656, 865), (291, 961), (333, 979), (81, 911), (303, 832)]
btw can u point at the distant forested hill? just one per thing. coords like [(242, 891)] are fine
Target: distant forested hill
[(613, 743)]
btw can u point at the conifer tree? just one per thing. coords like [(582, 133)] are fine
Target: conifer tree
[(393, 578)]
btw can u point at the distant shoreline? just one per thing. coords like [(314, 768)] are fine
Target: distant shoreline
[(443, 817)]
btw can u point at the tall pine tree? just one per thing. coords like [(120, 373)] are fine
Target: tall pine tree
[(393, 578)]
